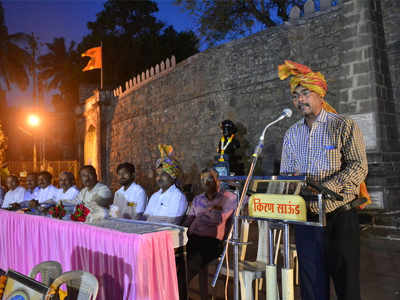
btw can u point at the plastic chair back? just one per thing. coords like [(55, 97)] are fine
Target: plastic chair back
[(80, 285), (48, 270)]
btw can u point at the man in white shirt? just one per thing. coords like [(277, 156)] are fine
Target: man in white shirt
[(47, 192), (169, 203), (67, 192), (15, 195), (32, 190), (96, 196), (131, 199)]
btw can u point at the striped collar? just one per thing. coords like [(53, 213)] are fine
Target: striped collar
[(321, 118)]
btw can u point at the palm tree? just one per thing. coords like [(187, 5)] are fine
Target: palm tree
[(14, 60), (61, 69)]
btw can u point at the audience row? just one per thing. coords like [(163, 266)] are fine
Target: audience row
[(130, 201), (206, 219)]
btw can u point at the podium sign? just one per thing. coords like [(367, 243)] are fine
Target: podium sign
[(278, 206)]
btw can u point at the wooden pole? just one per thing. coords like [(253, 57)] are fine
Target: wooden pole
[(101, 70)]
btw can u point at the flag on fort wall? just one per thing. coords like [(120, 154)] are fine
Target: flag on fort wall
[(95, 61)]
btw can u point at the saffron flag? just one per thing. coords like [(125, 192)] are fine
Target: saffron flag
[(95, 61)]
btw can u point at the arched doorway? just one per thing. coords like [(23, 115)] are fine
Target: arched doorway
[(91, 151)]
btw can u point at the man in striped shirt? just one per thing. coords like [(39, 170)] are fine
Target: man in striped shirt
[(329, 149)]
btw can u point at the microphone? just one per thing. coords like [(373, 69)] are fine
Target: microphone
[(287, 113)]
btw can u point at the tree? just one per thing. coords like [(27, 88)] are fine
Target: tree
[(14, 60), (60, 68), (60, 104), (221, 19), (133, 40)]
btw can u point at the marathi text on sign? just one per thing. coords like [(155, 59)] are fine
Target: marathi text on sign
[(276, 206)]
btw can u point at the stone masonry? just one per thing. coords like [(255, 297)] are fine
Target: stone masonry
[(355, 44)]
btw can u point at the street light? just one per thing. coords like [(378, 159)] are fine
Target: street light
[(34, 121)]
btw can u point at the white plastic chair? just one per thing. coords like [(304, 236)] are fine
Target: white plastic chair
[(80, 285), (250, 270), (48, 270), (255, 270)]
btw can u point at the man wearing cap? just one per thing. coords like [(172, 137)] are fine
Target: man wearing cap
[(329, 149), (168, 204)]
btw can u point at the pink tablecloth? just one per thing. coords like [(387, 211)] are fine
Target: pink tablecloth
[(128, 266)]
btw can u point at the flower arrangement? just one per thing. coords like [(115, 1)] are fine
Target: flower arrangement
[(58, 211), (80, 213), (52, 291), (3, 280)]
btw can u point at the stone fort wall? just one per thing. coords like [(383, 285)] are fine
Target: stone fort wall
[(354, 44)]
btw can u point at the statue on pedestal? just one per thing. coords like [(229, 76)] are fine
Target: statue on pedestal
[(228, 162)]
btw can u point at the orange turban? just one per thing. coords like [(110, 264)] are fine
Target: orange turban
[(315, 82), (303, 75)]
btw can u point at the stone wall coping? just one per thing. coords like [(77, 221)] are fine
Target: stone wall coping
[(161, 69)]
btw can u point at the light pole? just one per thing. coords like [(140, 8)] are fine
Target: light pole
[(34, 121)]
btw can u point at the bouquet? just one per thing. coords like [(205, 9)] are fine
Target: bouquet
[(58, 211), (80, 213), (3, 280)]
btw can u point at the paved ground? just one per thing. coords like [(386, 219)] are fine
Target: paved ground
[(380, 268), (380, 264)]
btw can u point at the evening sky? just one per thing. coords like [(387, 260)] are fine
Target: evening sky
[(48, 19)]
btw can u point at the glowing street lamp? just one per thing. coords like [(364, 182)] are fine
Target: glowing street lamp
[(34, 121)]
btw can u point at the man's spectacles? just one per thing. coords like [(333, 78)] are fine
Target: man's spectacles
[(296, 95)]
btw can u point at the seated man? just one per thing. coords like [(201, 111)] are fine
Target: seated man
[(131, 199), (96, 196), (15, 195), (47, 192), (207, 220), (67, 192), (169, 203), (1, 195), (32, 190)]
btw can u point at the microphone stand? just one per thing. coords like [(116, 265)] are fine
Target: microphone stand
[(234, 228)]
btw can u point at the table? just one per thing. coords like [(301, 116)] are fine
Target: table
[(178, 233), (127, 265)]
